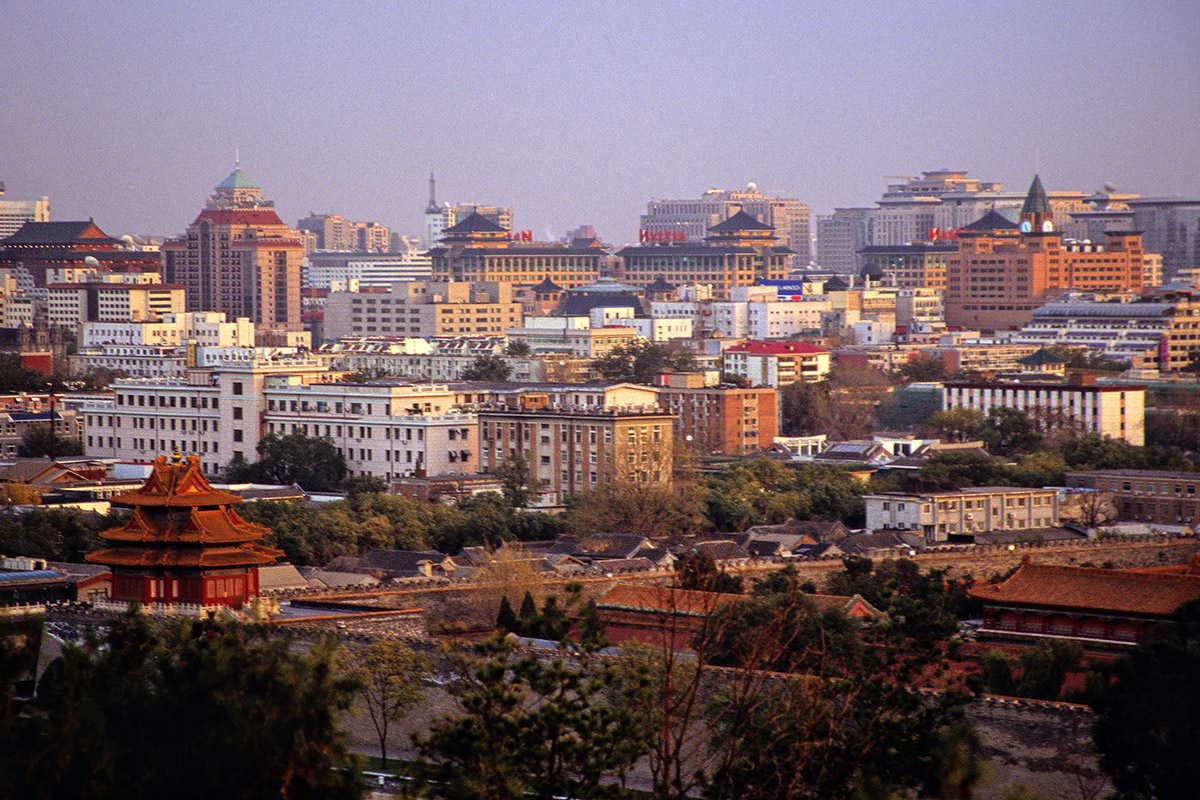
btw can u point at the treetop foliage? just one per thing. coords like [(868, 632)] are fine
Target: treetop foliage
[(195, 709)]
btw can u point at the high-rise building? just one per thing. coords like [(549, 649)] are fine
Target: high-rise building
[(840, 237), (1171, 227), (15, 213), (336, 233), (1002, 272), (238, 257), (691, 220)]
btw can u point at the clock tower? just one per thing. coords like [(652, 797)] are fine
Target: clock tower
[(1036, 216)]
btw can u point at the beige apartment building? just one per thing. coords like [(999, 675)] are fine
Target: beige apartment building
[(573, 450), (984, 509), (423, 309), (71, 304)]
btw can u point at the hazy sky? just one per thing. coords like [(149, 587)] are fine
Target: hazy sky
[(579, 112)]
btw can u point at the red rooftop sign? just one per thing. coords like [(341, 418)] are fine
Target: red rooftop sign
[(661, 236)]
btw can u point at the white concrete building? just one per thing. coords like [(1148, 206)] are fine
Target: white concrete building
[(1117, 411), (984, 509)]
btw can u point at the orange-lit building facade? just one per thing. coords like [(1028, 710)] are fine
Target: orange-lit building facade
[(1002, 272)]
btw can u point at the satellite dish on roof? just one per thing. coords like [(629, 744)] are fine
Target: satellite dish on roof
[(1110, 187), (91, 261), (752, 187)]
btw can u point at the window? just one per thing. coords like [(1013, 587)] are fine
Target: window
[(237, 413), (237, 435), (237, 387)]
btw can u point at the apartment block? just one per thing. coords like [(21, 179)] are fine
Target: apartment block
[(423, 309), (1116, 411), (777, 364), (576, 342), (70, 304), (985, 509), (384, 428), (570, 451), (720, 420)]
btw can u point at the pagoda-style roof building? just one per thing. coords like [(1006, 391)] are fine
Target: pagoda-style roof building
[(185, 543), (1102, 608)]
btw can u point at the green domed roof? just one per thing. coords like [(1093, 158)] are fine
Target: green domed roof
[(237, 180)]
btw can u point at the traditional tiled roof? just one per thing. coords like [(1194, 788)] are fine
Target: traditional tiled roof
[(547, 286), (663, 599), (59, 233), (180, 520), (1035, 200), (474, 223), (1041, 358), (252, 217), (741, 221), (1091, 589), (660, 285), (991, 221)]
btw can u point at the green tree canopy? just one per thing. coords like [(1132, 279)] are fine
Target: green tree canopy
[(38, 441), (314, 463), (487, 368), (1149, 720), (530, 727), (389, 675), (191, 710), (642, 360)]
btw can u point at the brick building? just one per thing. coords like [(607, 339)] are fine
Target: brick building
[(1002, 271), (720, 419), (1145, 495)]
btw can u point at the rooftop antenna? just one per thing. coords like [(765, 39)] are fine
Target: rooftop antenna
[(237, 159), (1036, 159)]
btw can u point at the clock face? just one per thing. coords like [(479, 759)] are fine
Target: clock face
[(1047, 227), (1025, 226)]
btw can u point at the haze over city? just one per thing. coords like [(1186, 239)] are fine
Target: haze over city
[(581, 113)]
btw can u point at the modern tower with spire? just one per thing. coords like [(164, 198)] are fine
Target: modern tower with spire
[(238, 257)]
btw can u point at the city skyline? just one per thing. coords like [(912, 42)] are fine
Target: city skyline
[(584, 117)]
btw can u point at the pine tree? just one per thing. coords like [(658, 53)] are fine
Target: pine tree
[(506, 620), (528, 613)]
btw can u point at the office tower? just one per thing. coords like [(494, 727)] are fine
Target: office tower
[(840, 237), (1171, 227), (239, 258)]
